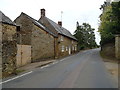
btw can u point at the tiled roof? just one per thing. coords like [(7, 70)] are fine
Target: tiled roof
[(58, 28), (38, 24), (5, 19)]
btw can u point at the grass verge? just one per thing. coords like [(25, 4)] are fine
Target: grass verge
[(19, 71), (108, 58)]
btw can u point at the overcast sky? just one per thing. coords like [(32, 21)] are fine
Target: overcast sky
[(73, 11)]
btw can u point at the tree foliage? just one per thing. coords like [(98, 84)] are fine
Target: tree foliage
[(85, 35), (110, 22)]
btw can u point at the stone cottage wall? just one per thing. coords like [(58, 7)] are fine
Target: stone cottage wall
[(117, 46), (24, 40), (42, 44), (24, 33), (9, 49), (0, 49), (74, 46), (66, 46)]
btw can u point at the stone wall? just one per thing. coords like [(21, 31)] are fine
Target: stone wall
[(66, 46), (109, 50), (0, 50), (9, 49), (24, 34), (117, 46), (42, 44), (0, 44)]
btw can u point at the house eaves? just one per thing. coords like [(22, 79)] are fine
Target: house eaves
[(6, 20), (61, 30), (35, 22)]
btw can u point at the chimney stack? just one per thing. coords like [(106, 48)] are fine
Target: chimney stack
[(60, 23), (43, 12)]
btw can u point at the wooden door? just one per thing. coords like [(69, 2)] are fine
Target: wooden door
[(23, 55)]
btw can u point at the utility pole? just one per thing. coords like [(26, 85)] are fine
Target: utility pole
[(61, 15)]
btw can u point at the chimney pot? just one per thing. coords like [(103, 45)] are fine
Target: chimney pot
[(43, 12), (60, 23)]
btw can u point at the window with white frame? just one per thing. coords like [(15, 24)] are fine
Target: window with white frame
[(61, 38), (75, 47), (62, 48), (66, 48)]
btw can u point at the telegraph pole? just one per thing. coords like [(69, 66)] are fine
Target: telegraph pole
[(61, 15)]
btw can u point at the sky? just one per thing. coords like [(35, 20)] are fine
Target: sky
[(73, 10)]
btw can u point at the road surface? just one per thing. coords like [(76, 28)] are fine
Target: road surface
[(83, 70)]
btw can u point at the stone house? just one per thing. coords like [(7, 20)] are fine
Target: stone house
[(65, 42), (8, 48), (36, 40)]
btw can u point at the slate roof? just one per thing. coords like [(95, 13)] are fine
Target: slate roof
[(38, 23), (58, 28), (5, 19)]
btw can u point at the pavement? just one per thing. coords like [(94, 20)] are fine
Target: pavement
[(113, 69), (34, 65), (112, 65), (83, 70), (30, 67)]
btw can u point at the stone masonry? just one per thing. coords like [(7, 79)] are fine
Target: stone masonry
[(66, 46), (65, 42), (34, 34), (9, 49), (117, 46), (42, 44)]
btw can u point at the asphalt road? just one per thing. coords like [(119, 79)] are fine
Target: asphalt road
[(83, 70)]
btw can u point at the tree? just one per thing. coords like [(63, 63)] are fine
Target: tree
[(116, 17), (110, 22), (85, 35)]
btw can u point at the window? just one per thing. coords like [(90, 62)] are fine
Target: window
[(66, 48), (61, 38), (75, 47), (18, 28), (62, 48)]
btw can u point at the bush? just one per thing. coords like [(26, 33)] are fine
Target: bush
[(82, 47)]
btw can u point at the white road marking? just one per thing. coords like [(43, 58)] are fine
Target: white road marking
[(55, 62), (45, 66), (51, 64), (16, 77), (62, 60)]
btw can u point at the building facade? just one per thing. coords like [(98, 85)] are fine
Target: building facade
[(27, 40), (36, 37), (66, 43), (8, 45), (66, 46)]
